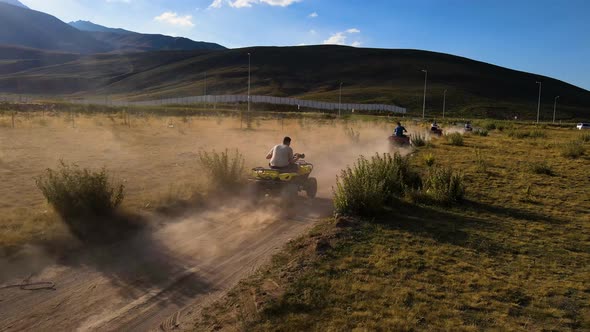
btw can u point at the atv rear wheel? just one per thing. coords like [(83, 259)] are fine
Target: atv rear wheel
[(289, 193), (311, 187)]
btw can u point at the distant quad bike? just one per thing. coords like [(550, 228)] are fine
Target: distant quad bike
[(399, 140), (436, 131), (468, 128), (284, 183)]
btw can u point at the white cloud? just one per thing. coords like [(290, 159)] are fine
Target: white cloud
[(249, 3), (281, 3), (216, 4), (339, 38), (313, 32), (313, 15), (336, 39), (173, 19)]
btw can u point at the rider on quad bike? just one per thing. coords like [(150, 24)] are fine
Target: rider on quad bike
[(281, 156), (399, 138), (435, 129), (286, 175)]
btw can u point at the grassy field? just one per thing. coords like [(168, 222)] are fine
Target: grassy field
[(514, 255), (154, 155)]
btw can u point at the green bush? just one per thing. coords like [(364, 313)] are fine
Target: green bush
[(418, 140), (572, 149), (482, 164), (490, 126), (481, 132), (444, 186), (520, 134), (541, 168), (75, 192), (373, 183), (86, 201), (429, 160), (455, 139), (225, 169), (537, 134)]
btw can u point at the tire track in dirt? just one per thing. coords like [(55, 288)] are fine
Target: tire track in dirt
[(147, 284)]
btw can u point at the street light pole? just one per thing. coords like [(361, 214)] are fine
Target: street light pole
[(444, 102), (554, 107), (249, 57), (424, 98), (539, 102), (340, 100)]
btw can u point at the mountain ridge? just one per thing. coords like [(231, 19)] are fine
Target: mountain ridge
[(311, 72), (34, 29)]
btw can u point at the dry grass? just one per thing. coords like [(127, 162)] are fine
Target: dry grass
[(154, 156), (515, 256)]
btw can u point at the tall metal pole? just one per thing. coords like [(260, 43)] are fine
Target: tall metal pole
[(554, 107), (424, 98), (444, 102), (249, 57), (539, 102), (340, 100)]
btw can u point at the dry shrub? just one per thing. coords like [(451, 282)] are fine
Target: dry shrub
[(481, 132), (353, 136), (572, 149), (455, 139), (225, 169), (419, 140), (541, 168), (429, 160), (86, 200)]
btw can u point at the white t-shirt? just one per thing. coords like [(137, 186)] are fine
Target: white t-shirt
[(281, 155)]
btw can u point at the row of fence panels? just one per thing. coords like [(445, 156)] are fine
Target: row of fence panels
[(229, 99), (212, 99)]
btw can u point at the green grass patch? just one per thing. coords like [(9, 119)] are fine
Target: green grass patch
[(455, 139), (418, 140), (370, 184), (572, 149), (541, 168), (444, 186)]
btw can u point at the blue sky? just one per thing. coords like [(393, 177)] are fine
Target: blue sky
[(551, 38)]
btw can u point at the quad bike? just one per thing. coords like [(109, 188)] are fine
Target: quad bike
[(436, 131), (399, 140), (468, 128), (287, 183)]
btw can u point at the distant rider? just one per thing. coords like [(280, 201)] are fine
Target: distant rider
[(281, 156), (399, 130), (434, 126)]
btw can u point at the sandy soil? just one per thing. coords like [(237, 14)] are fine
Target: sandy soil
[(177, 266), (145, 283)]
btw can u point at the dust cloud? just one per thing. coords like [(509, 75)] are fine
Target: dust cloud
[(174, 259)]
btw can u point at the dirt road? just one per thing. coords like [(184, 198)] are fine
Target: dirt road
[(156, 279)]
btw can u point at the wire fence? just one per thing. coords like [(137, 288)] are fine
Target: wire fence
[(226, 99)]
